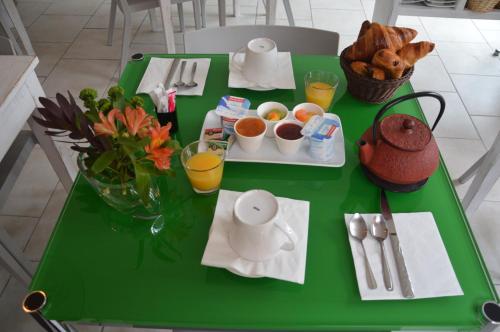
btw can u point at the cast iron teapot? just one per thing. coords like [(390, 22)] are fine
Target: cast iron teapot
[(399, 153)]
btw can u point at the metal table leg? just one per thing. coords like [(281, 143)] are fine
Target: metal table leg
[(491, 316), (33, 304)]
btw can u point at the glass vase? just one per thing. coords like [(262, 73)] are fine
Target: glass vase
[(124, 197)]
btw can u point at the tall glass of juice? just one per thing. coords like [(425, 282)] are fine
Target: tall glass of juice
[(320, 88), (203, 166)]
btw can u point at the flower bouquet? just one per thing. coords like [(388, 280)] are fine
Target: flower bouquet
[(121, 148)]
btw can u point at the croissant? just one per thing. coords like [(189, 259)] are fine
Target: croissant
[(390, 62), (365, 26), (411, 53), (368, 70), (377, 37)]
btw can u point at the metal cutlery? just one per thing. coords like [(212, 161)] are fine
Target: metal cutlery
[(180, 83), (379, 232), (171, 72), (404, 278), (359, 230), (192, 83)]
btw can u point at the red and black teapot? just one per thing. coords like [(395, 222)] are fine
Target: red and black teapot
[(398, 153)]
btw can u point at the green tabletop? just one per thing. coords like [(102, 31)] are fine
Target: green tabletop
[(103, 267)]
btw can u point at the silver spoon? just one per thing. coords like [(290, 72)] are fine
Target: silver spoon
[(359, 230), (379, 232), (180, 83), (192, 84)]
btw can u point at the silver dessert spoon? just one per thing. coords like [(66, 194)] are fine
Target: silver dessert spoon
[(192, 84), (180, 83), (359, 230), (379, 232)]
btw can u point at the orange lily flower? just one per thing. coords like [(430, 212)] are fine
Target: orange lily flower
[(136, 120), (107, 126), (159, 134), (161, 157)]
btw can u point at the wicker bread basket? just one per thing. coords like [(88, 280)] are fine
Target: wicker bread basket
[(369, 89), (482, 5)]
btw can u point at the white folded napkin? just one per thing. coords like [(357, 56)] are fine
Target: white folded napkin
[(159, 68), (286, 265), (283, 77), (427, 261)]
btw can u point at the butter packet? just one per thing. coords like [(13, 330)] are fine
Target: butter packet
[(213, 134), (219, 147), (321, 132)]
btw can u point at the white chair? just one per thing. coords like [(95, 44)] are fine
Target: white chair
[(293, 39), (128, 7), (270, 11), (9, 18), (487, 172)]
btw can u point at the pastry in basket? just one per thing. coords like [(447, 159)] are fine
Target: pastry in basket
[(367, 69), (413, 52), (376, 37), (390, 62)]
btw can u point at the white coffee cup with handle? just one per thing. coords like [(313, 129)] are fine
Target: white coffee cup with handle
[(260, 61), (258, 234)]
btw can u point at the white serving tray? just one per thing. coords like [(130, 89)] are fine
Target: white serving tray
[(269, 153)]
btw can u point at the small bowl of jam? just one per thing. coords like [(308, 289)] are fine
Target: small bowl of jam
[(288, 136)]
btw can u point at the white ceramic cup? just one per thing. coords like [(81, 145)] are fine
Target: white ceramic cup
[(260, 60), (287, 146), (258, 234), (249, 144), (309, 107), (265, 108)]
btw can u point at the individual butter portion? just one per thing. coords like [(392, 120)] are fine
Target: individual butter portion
[(321, 131)]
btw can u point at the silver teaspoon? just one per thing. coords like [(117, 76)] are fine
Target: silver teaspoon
[(359, 230), (379, 232), (192, 84), (180, 83)]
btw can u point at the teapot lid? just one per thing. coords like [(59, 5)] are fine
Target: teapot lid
[(405, 132)]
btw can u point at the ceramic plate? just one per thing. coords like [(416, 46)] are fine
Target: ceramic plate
[(269, 153)]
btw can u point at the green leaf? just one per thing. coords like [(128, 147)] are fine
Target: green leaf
[(133, 144), (143, 182), (103, 161)]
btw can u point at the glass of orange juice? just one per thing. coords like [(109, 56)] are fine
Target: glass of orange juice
[(320, 88), (203, 166)]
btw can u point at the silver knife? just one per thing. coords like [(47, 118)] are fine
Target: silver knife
[(404, 278), (171, 72)]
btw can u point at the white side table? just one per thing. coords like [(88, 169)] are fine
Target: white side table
[(19, 93)]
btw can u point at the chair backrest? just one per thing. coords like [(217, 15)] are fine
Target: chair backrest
[(292, 39)]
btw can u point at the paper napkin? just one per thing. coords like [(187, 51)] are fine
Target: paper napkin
[(286, 265), (427, 261), (283, 77), (159, 68)]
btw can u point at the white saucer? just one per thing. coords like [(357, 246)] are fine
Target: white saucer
[(283, 78)]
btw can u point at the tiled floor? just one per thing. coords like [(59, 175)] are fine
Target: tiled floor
[(69, 38)]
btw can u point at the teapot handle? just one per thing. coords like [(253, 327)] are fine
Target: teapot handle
[(406, 97)]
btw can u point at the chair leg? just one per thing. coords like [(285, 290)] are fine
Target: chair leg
[(154, 22), (222, 12), (10, 7), (203, 5), (127, 39), (486, 177), (271, 12), (180, 12), (6, 24), (168, 30), (112, 19), (236, 8), (289, 13), (197, 14)]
